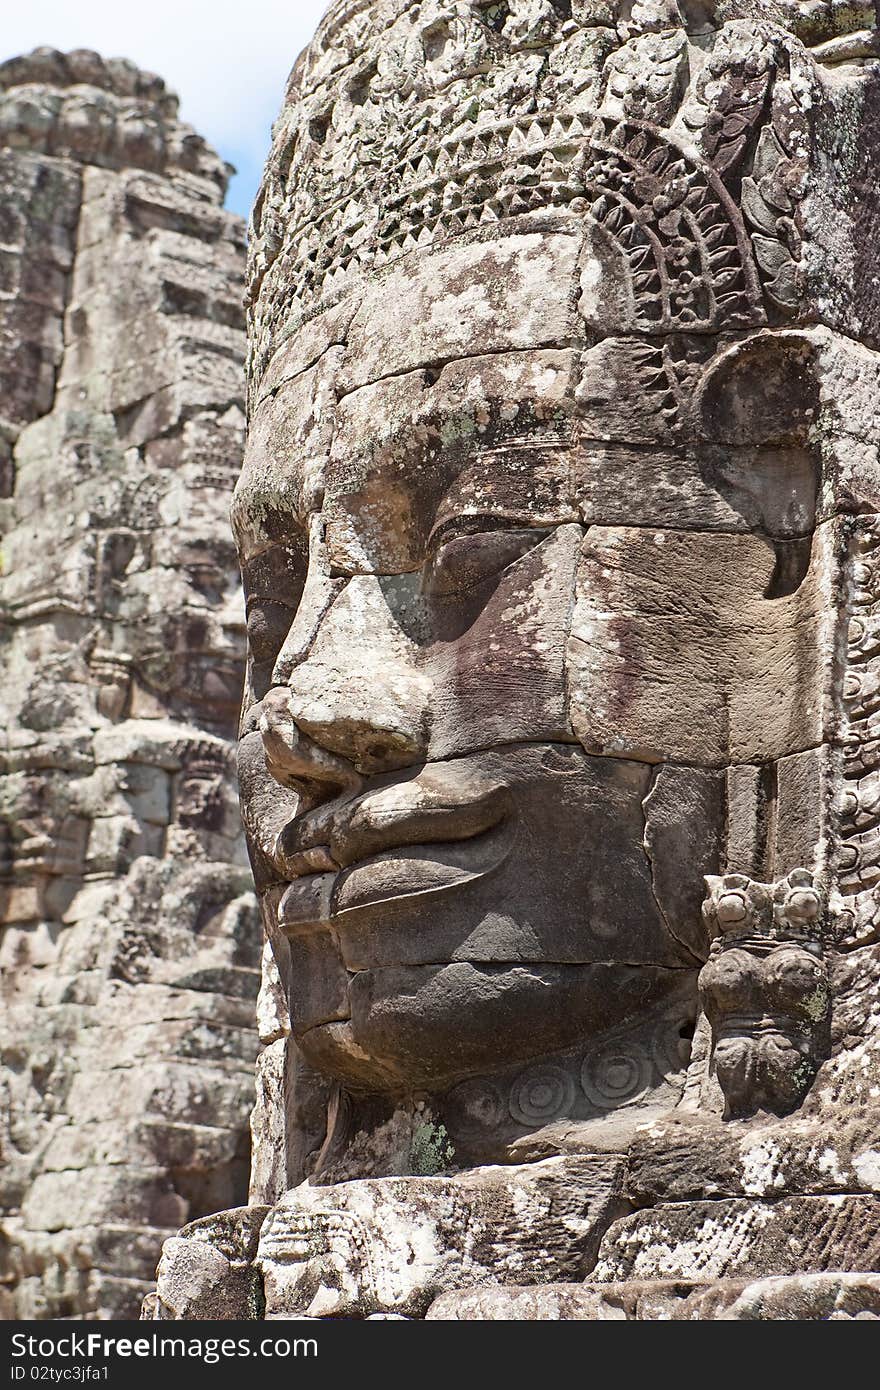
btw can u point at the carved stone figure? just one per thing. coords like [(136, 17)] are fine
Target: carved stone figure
[(129, 936), (765, 990), (557, 523)]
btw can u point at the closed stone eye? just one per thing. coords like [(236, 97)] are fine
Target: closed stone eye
[(281, 572), (463, 562), (268, 624)]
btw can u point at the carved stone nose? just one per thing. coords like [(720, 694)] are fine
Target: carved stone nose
[(297, 761)]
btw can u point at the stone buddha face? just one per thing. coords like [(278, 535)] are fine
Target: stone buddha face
[(528, 527)]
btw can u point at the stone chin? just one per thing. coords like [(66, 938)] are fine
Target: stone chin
[(429, 1027), (451, 939)]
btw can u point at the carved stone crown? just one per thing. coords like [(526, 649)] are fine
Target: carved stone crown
[(793, 909)]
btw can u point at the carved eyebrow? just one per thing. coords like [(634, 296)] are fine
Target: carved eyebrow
[(473, 524)]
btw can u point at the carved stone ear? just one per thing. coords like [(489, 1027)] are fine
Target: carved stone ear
[(765, 991)]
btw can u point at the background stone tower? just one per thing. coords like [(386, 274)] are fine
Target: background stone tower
[(129, 945)]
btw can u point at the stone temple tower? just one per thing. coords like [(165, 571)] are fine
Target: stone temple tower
[(129, 942)]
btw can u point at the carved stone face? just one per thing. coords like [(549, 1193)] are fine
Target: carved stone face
[(537, 592), (504, 728)]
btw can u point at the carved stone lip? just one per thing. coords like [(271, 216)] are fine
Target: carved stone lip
[(442, 804), (401, 840), (415, 871), (405, 871)]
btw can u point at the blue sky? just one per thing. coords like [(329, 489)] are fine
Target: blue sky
[(228, 60)]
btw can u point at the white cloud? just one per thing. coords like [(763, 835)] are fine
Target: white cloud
[(228, 60)]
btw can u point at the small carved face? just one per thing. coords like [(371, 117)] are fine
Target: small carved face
[(182, 610)]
